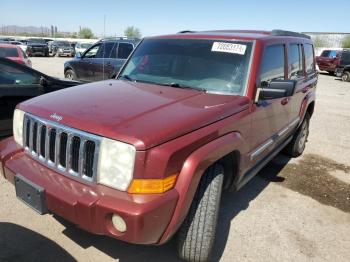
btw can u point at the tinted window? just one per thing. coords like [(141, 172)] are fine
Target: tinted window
[(10, 74), (105, 51), (309, 58), (272, 66), (124, 50), (326, 53), (345, 58), (295, 60), (8, 52)]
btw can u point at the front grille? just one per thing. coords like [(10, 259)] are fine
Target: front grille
[(67, 150)]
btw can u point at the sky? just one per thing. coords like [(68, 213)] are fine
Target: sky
[(161, 17)]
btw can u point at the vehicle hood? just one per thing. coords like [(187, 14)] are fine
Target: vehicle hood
[(144, 115)]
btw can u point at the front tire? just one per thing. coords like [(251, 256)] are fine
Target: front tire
[(197, 234), (69, 74), (296, 147), (346, 76)]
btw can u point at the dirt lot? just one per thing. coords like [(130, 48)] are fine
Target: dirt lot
[(294, 210)]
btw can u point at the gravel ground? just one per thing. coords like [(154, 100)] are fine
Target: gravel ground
[(294, 210)]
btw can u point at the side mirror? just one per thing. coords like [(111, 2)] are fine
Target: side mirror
[(78, 55), (275, 89)]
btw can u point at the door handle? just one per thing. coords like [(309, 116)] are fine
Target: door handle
[(285, 101)]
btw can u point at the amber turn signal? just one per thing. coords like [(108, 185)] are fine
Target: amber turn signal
[(152, 186)]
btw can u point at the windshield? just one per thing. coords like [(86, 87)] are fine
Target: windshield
[(37, 41), (210, 65), (63, 44), (85, 45)]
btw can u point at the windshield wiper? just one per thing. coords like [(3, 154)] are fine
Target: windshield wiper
[(177, 85), (126, 77)]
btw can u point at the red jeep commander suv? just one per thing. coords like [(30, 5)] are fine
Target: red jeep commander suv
[(147, 155)]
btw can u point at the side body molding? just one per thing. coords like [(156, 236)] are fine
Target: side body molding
[(192, 171)]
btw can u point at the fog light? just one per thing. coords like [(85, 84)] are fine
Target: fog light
[(119, 223)]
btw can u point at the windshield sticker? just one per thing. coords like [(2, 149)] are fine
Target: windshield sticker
[(228, 48)]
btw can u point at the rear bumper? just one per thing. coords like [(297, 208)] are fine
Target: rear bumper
[(91, 206)]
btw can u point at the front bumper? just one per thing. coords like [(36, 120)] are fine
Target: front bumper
[(91, 206)]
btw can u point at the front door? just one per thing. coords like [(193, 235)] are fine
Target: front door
[(270, 117)]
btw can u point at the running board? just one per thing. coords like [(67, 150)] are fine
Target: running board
[(252, 172)]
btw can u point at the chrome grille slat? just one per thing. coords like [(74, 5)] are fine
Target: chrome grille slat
[(81, 153), (71, 160), (69, 151)]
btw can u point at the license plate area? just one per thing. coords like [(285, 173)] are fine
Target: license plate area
[(31, 194)]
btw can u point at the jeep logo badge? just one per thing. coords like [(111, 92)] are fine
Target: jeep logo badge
[(56, 117)]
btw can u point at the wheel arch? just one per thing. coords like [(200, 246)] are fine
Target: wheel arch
[(223, 150)]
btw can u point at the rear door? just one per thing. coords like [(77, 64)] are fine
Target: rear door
[(270, 117), (103, 63), (302, 69)]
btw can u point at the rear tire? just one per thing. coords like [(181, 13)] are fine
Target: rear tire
[(197, 234), (69, 74), (296, 147), (346, 76)]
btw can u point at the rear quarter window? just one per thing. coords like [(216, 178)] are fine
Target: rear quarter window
[(309, 58)]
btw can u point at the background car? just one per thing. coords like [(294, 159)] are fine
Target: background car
[(22, 45), (19, 83), (15, 53), (101, 61), (328, 60), (37, 46), (343, 69), (61, 48), (81, 47)]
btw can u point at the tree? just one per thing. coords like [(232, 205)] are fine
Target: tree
[(319, 42), (85, 33), (346, 42), (132, 32)]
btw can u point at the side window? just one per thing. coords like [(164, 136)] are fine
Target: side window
[(91, 53), (114, 52), (309, 58), (295, 61), (124, 50), (13, 75), (106, 50), (272, 66), (333, 54)]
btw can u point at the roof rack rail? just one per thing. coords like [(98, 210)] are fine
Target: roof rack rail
[(278, 32), (186, 31)]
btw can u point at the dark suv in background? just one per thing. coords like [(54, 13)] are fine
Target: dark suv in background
[(343, 69), (101, 61), (37, 46)]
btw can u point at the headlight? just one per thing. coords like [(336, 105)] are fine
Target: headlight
[(60, 49), (18, 117), (116, 164)]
